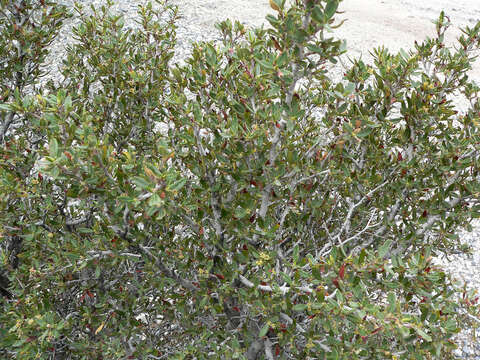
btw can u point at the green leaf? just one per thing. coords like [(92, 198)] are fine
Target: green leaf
[(300, 307), (331, 8), (317, 14), (272, 20), (155, 200), (365, 132), (177, 185), (240, 212), (234, 126), (264, 330), (382, 251), (53, 147), (286, 278), (160, 214), (315, 49), (392, 299), (349, 89), (296, 252), (68, 103), (141, 183), (423, 334), (5, 107), (97, 272), (282, 60)]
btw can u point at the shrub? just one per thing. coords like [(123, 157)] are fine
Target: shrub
[(244, 204)]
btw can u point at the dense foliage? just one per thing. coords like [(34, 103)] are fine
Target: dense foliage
[(241, 205)]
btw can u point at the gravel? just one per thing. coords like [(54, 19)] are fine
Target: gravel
[(196, 24)]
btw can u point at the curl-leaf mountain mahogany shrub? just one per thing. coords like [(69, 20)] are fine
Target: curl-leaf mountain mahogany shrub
[(242, 205)]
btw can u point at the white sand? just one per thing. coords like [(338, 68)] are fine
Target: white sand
[(371, 23)]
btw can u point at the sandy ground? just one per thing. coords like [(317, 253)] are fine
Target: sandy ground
[(370, 23)]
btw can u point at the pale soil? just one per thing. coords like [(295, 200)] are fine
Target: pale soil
[(370, 23)]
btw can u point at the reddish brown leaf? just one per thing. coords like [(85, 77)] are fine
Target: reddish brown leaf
[(277, 350), (341, 273), (276, 44)]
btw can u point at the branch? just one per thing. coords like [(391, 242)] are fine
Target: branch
[(347, 222), (254, 349), (149, 194), (78, 221), (217, 215), (383, 229), (431, 219), (268, 349), (167, 272), (277, 137), (105, 171), (97, 254), (473, 317), (6, 125), (368, 226), (191, 224), (289, 321), (272, 157), (283, 289)]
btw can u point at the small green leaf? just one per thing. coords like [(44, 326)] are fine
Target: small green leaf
[(141, 182), (177, 185), (264, 330), (315, 49), (155, 200), (286, 278), (317, 14), (282, 60), (53, 147), (382, 251), (240, 212), (68, 103), (296, 252), (160, 214), (423, 334), (365, 132), (300, 307), (349, 88), (5, 107), (97, 272), (331, 8), (392, 299), (234, 126)]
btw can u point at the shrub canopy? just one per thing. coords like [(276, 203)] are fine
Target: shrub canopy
[(241, 205)]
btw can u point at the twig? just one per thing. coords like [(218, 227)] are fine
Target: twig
[(167, 272)]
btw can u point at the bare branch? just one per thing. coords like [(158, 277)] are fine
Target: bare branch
[(167, 272), (268, 349), (346, 225)]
